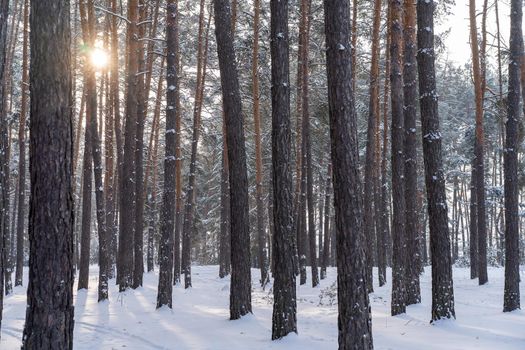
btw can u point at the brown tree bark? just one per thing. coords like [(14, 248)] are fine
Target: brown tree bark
[(49, 315), (479, 146), (240, 288)]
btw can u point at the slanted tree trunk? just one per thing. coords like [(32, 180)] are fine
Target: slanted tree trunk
[(284, 320), (369, 179), (20, 226), (355, 322), (479, 163), (413, 290), (164, 296), (240, 288), (442, 284), (512, 258), (49, 314), (399, 253)]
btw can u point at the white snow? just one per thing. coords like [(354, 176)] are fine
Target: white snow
[(199, 319)]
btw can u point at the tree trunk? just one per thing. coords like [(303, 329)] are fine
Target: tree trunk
[(512, 259), (240, 288), (49, 315), (189, 207), (442, 284), (384, 247), (164, 296), (355, 322), (473, 239), (4, 12), (261, 231), (326, 244), (369, 179), (178, 161), (413, 291), (20, 226), (127, 176), (479, 149), (138, 238), (284, 319), (112, 205), (399, 253)]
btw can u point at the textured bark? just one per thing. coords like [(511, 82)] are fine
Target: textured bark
[(355, 323), (178, 161), (383, 247), (240, 288), (307, 198), (87, 165), (370, 164), (4, 13), (96, 156), (512, 254), (21, 222), (138, 235), (442, 285), (284, 319), (479, 149), (127, 175), (261, 231), (112, 208), (399, 253), (413, 290), (49, 315), (189, 207), (164, 296)]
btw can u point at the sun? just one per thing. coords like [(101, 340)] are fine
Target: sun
[(99, 58)]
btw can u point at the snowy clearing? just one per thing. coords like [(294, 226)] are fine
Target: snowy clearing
[(199, 319)]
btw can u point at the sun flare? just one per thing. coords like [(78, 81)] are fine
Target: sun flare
[(99, 58)]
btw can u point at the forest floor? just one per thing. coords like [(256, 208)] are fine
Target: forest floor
[(199, 319)]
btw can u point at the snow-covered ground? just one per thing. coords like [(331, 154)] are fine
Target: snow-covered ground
[(199, 319)]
